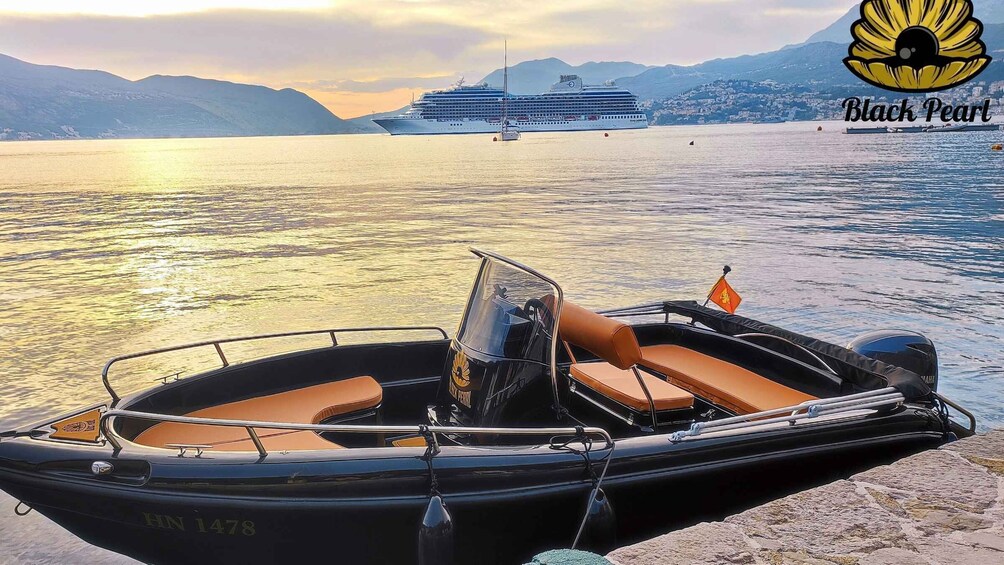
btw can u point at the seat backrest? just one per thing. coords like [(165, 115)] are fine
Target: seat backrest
[(608, 339)]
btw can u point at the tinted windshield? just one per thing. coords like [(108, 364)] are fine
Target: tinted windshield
[(510, 314)]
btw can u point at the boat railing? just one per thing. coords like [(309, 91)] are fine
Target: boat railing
[(659, 309), (847, 405), (249, 426), (218, 343), (819, 410)]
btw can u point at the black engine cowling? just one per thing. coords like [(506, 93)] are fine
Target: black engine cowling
[(909, 350)]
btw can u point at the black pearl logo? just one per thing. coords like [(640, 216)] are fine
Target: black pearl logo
[(917, 46)]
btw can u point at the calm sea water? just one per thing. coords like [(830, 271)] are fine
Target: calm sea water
[(109, 247)]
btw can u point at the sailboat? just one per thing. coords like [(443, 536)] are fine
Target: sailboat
[(508, 132)]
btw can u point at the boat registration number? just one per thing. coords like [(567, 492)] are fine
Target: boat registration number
[(216, 526)]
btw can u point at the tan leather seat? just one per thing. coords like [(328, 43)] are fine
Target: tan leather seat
[(718, 381), (615, 343), (604, 337), (282, 441), (721, 382), (309, 405), (621, 385)]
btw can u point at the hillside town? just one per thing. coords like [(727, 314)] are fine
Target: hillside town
[(745, 101)]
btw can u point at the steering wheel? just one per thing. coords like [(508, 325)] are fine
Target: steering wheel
[(537, 311)]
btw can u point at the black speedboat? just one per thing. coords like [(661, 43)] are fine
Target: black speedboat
[(541, 424)]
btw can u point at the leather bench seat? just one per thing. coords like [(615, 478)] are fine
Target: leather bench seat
[(720, 382), (622, 386), (730, 386), (308, 405)]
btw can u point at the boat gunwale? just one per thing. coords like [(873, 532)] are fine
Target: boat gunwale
[(217, 342), (625, 455), (799, 417)]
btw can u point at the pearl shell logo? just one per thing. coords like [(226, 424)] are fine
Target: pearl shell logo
[(77, 427), (917, 45), (461, 371)]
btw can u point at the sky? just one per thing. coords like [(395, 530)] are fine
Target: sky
[(361, 56)]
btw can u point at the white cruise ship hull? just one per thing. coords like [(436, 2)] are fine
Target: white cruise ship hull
[(405, 125)]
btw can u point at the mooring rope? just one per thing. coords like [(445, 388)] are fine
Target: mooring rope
[(431, 450), (587, 444)]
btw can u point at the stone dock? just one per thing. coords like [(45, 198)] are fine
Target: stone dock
[(937, 507)]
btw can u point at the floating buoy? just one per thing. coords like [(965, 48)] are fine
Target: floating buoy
[(605, 134), (820, 128), (435, 537), (691, 142), (997, 147)]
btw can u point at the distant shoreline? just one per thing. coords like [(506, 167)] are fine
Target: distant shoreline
[(835, 123), (342, 134)]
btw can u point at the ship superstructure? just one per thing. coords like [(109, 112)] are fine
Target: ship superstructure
[(569, 105)]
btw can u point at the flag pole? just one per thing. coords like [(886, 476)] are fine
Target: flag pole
[(725, 271)]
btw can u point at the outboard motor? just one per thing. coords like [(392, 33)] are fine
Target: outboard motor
[(902, 348)]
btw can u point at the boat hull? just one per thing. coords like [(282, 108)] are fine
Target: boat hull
[(419, 126), (364, 506)]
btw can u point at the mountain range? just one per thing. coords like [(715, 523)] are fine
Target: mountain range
[(988, 12), (45, 102)]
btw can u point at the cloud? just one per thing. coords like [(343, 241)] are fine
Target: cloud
[(379, 85), (361, 53), (242, 42)]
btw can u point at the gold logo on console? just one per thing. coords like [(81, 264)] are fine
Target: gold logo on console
[(461, 371), (917, 45)]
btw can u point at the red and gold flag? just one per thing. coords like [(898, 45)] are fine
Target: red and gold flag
[(723, 295)]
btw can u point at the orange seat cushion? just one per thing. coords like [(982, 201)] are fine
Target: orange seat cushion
[(721, 382), (282, 441), (622, 386), (309, 405), (604, 337)]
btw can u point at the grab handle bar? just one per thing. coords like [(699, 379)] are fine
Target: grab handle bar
[(216, 343), (966, 413), (249, 426)]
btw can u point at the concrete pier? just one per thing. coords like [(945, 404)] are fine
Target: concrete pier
[(938, 507)]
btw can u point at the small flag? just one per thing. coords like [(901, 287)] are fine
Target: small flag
[(723, 295)]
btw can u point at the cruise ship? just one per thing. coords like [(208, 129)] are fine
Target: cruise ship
[(569, 105)]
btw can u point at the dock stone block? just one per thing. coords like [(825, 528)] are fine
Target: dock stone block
[(894, 556), (988, 446), (939, 507), (936, 478), (703, 544), (827, 522)]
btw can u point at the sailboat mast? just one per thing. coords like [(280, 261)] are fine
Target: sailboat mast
[(505, 80)]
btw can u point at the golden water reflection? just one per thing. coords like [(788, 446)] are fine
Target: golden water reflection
[(109, 247)]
